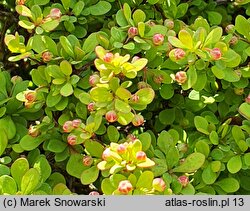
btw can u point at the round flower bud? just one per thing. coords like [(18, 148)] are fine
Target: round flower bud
[(20, 2), (131, 138), (182, 147), (247, 99), (169, 23), (72, 139), (158, 79), (141, 156), (33, 131), (135, 58), (215, 54), (158, 39), (111, 116), (108, 57), (68, 126), (138, 120), (94, 79), (76, 123), (181, 77), (125, 186), (230, 28), (16, 79), (183, 180), (91, 106), (87, 160), (234, 40), (159, 184), (47, 56), (55, 13), (142, 85), (30, 96), (94, 193), (132, 31), (106, 154), (121, 149), (178, 53)]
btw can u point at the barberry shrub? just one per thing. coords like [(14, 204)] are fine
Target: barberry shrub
[(124, 97)]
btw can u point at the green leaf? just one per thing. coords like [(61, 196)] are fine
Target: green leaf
[(78, 8), (244, 110), (43, 167), (139, 16), (234, 164), (38, 44), (193, 162), (242, 25), (24, 11), (89, 175), (75, 165), (26, 24), (56, 145), (66, 4), (3, 141), (50, 25), (191, 78), (101, 8), (121, 106), (30, 181), (66, 68), (167, 116), (7, 125), (146, 96), (67, 46), (247, 159), (214, 36), (229, 185), (18, 169), (94, 148), (41, 2), (125, 118), (127, 12), (123, 93), (214, 18), (29, 143), (201, 124), (232, 59), (113, 133), (107, 187), (61, 189), (208, 176), (66, 90), (7, 185), (181, 10), (101, 94), (167, 91), (145, 139), (145, 180), (214, 138), (202, 147), (186, 38), (4, 170), (176, 42)]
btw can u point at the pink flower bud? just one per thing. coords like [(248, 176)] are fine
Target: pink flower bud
[(94, 193), (230, 28), (91, 106), (181, 77), (106, 154), (30, 96), (125, 186), (132, 31), (141, 156), (76, 123), (169, 23), (131, 138), (215, 54), (247, 99), (159, 184), (72, 139), (142, 85), (138, 120), (108, 57), (121, 149), (20, 2), (135, 98), (179, 53), (16, 79), (33, 131), (87, 160), (55, 13), (234, 40), (47, 56), (158, 39), (183, 180), (68, 127), (111, 116), (94, 79)]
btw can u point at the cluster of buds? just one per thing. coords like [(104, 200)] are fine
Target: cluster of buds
[(34, 131), (111, 116), (177, 54), (29, 98), (132, 32), (138, 120), (20, 2), (159, 184), (169, 23), (181, 77), (125, 187), (55, 13), (128, 156), (87, 160), (215, 54), (94, 79), (71, 126), (47, 56)]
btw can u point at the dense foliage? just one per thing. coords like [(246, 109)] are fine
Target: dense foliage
[(124, 97)]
